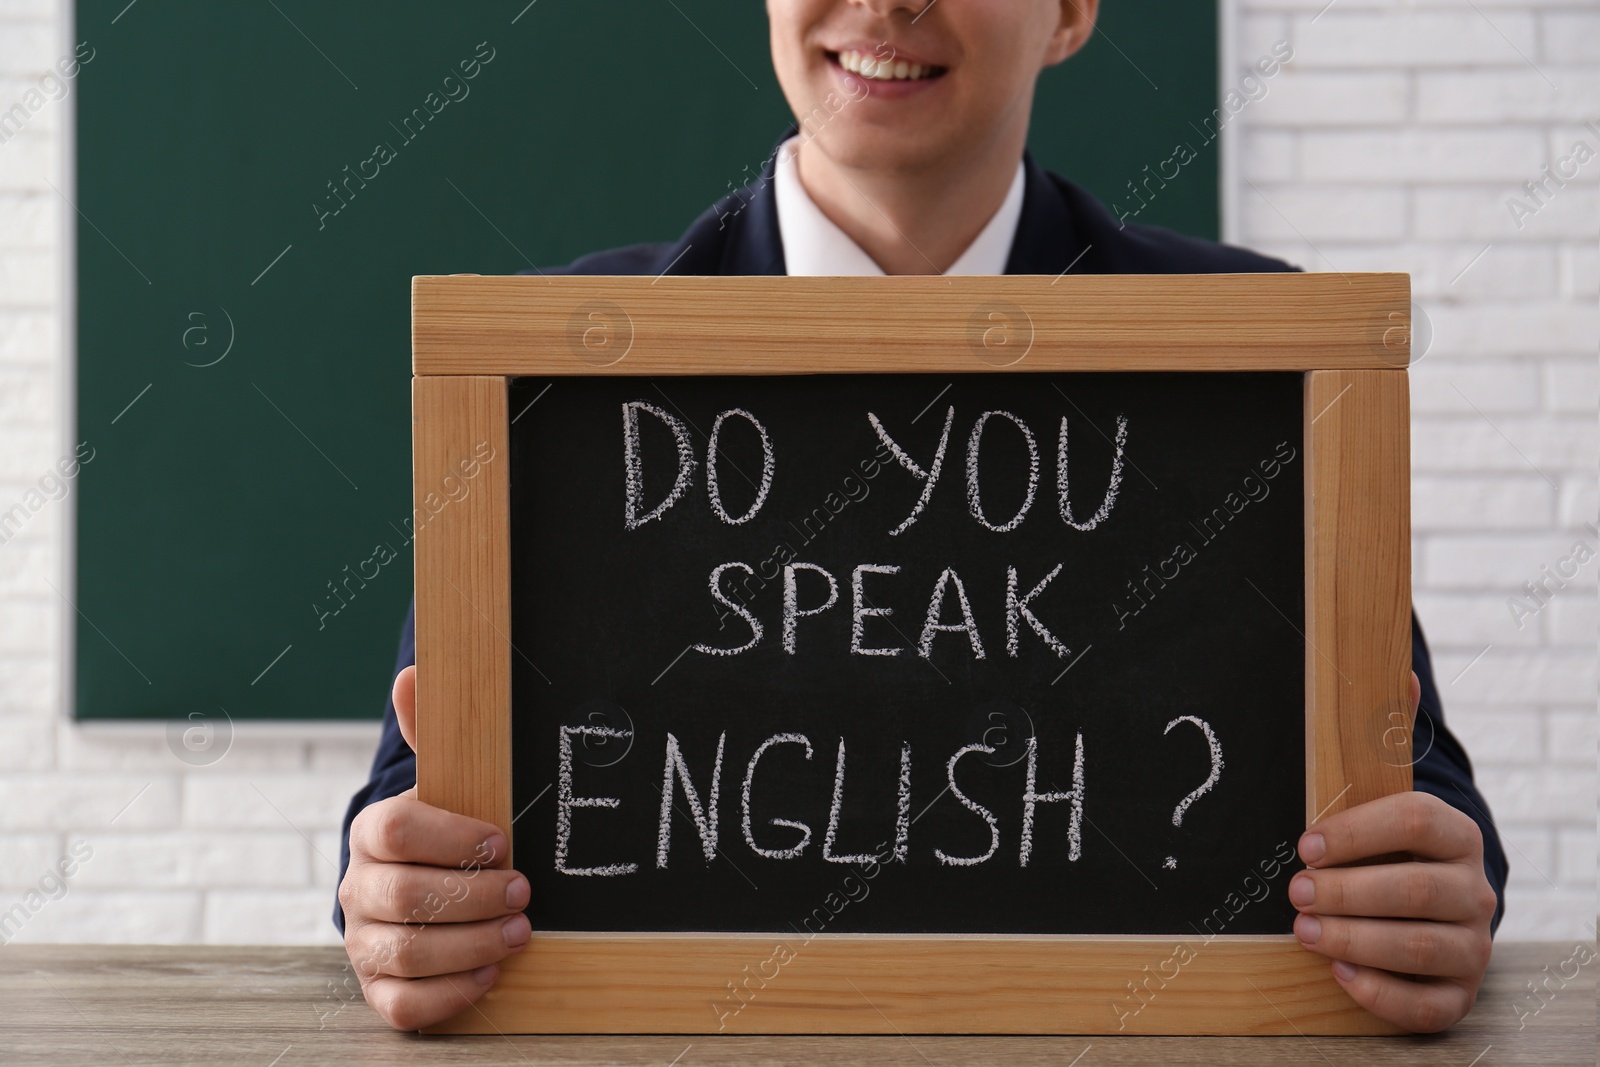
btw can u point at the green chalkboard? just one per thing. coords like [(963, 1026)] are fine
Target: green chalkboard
[(243, 354)]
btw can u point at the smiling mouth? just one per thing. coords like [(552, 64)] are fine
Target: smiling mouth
[(874, 69)]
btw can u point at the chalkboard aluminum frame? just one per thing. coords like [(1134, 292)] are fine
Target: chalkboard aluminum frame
[(1350, 336)]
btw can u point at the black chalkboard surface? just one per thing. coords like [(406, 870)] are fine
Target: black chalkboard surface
[(749, 630)]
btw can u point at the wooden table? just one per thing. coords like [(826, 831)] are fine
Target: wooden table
[(278, 1007)]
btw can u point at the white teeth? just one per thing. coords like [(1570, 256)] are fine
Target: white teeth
[(883, 70)]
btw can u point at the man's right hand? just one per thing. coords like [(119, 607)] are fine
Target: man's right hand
[(427, 920)]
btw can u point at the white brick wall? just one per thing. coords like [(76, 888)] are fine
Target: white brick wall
[(1391, 142)]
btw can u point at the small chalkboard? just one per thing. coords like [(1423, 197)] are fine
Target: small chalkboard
[(820, 666)]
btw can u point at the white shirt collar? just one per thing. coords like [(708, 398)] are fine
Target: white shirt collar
[(814, 245)]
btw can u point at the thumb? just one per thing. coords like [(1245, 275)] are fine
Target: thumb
[(405, 704)]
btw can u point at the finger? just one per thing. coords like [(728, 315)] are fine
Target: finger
[(404, 696), (1447, 892), (1443, 950), (1416, 697), (1426, 1006), (403, 829), (1418, 823), (403, 892), (399, 950), (410, 1004)]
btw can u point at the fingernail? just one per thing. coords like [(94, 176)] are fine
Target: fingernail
[(1302, 891), (493, 847), (1308, 928), (485, 975), (517, 893), (1343, 971), (516, 930), (1312, 847)]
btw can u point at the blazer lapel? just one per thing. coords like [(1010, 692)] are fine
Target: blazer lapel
[(1046, 240), (738, 235)]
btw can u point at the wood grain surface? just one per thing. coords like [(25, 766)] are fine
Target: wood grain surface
[(283, 1007), (467, 324), (1358, 588), (886, 984), (463, 572)]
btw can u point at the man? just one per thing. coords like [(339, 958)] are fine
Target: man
[(911, 161)]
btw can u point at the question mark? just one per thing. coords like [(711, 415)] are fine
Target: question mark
[(1204, 787)]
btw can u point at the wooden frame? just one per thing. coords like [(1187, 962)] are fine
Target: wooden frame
[(1348, 333)]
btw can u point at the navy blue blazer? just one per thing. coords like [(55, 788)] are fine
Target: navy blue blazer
[(1061, 226)]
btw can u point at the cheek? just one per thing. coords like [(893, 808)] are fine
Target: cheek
[(791, 23), (1000, 54), (993, 93)]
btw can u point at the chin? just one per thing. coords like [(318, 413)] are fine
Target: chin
[(881, 147)]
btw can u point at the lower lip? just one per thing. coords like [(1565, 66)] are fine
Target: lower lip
[(897, 89)]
